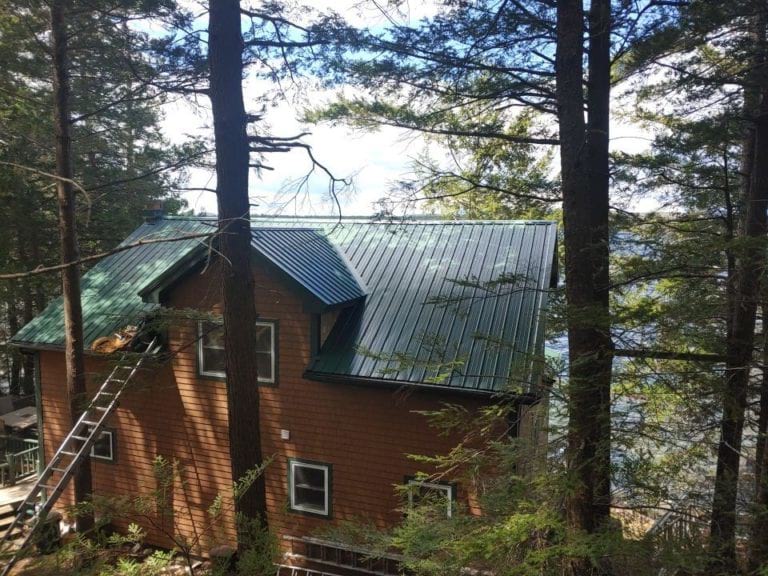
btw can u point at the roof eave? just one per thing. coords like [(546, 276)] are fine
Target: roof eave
[(151, 292), (524, 398), (317, 306), (35, 346)]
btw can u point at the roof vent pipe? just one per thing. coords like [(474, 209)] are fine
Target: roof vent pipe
[(154, 212)]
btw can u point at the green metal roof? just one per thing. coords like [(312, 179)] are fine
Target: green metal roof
[(454, 304), (110, 290), (305, 255), (449, 304), (310, 258)]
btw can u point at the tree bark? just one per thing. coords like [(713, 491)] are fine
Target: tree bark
[(749, 270), (758, 549), (598, 169), (584, 169), (232, 159), (14, 366), (27, 382), (739, 352), (39, 287), (70, 276)]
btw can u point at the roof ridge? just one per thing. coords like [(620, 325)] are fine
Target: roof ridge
[(283, 229), (361, 220)]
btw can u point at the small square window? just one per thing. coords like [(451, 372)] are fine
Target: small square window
[(212, 361), (104, 447), (436, 494), (310, 486)]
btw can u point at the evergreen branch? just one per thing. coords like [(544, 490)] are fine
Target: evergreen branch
[(259, 15), (669, 355), (472, 134), (285, 44), (153, 172), (100, 255)]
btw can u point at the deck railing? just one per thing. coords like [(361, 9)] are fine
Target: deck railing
[(337, 555), (679, 526), (21, 460)]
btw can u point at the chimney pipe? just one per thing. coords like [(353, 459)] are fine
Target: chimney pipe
[(154, 212)]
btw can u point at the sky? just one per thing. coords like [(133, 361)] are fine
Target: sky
[(374, 161)]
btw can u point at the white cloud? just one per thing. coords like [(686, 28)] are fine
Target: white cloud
[(373, 160)]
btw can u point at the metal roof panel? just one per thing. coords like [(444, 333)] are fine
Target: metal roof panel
[(450, 304)]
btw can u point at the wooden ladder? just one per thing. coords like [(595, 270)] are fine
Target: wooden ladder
[(73, 450)]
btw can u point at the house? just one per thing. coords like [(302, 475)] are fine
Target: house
[(362, 324)]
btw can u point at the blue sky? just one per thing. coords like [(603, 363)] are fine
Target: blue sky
[(374, 160)]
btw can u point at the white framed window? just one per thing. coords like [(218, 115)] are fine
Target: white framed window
[(309, 486), (104, 447), (432, 493), (210, 350), (265, 351)]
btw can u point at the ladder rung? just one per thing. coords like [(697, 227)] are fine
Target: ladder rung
[(117, 380), (120, 376)]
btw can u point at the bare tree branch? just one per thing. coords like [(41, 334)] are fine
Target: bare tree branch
[(100, 255)]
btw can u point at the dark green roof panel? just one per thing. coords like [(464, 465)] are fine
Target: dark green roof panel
[(310, 258), (452, 304), (456, 304), (110, 290)]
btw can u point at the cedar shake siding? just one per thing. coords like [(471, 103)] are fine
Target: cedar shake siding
[(167, 414), (364, 433), (344, 300)]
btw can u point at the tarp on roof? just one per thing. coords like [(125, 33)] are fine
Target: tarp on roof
[(449, 304)]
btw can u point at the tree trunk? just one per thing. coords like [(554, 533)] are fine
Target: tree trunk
[(27, 382), (14, 366), (598, 167), (739, 360), (70, 276), (232, 158), (740, 345), (39, 286), (584, 168), (758, 549)]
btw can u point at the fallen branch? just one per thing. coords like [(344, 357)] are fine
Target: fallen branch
[(666, 355)]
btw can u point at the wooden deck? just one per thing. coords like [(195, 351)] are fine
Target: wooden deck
[(16, 493)]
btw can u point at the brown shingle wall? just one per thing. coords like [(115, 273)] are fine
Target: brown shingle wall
[(166, 414), (363, 432)]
